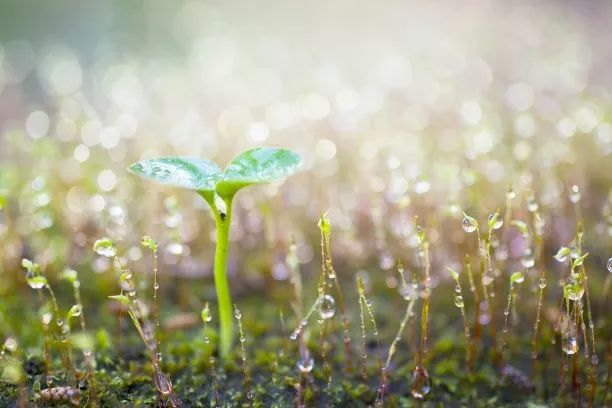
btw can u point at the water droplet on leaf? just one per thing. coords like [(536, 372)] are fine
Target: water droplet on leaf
[(468, 223), (105, 247)]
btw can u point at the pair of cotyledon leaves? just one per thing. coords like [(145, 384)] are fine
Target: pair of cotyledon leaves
[(259, 165)]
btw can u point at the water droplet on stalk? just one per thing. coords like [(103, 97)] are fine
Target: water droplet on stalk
[(459, 301), (527, 260), (10, 344), (305, 363), (421, 383), (569, 343), (162, 383), (542, 283), (575, 194), (610, 265), (327, 307), (46, 318), (532, 204)]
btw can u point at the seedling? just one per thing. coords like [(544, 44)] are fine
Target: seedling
[(218, 188)]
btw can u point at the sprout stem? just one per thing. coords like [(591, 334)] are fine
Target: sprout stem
[(226, 334)]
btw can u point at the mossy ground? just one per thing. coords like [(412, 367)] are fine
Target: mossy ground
[(123, 376)]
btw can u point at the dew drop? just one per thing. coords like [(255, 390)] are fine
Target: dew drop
[(175, 248), (562, 254), (421, 383), (35, 282), (542, 283), (499, 221), (162, 383), (46, 318), (327, 307), (237, 313), (610, 265), (527, 260), (532, 204), (459, 301), (10, 344), (457, 288), (569, 342), (305, 363), (575, 194), (468, 224), (105, 247)]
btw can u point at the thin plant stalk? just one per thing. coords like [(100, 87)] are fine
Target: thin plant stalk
[(61, 325), (48, 380), (364, 356), (459, 302), (206, 317), (76, 285), (516, 277), (384, 381), (155, 306), (592, 359), (369, 309), (425, 265), (245, 367), (325, 227), (476, 295)]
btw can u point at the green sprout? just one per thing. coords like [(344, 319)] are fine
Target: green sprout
[(218, 188)]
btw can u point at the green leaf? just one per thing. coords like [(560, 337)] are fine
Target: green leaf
[(255, 166), (184, 172)]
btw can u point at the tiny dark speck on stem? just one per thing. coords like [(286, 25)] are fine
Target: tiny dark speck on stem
[(222, 214)]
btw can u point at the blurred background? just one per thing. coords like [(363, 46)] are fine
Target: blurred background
[(398, 109)]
